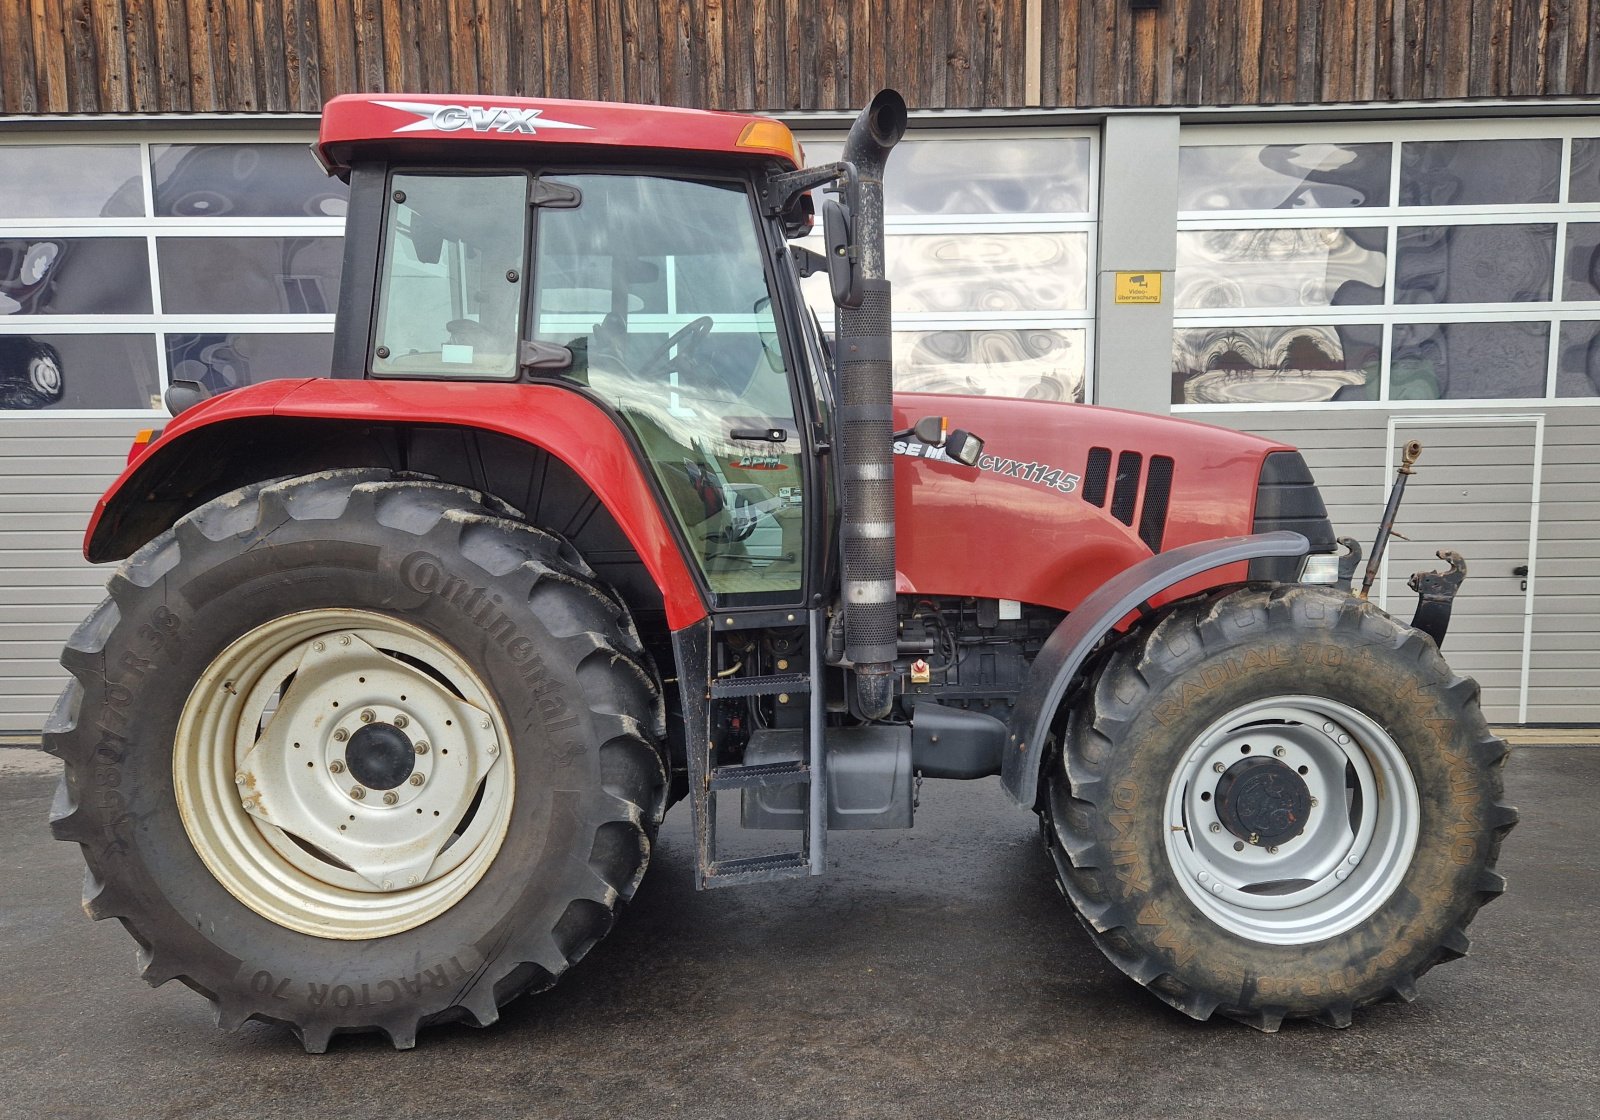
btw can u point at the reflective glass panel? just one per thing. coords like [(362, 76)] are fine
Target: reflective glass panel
[(1276, 364), (249, 275), (1468, 361), (1036, 364), (1283, 176), (450, 298), (44, 371), (1474, 264), (1003, 175), (71, 181), (1479, 172), (243, 181), (226, 361), (1583, 261), (1585, 186), (1280, 267), (1578, 360), (671, 324), (74, 276), (988, 272)]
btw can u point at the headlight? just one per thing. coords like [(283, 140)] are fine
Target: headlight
[(1320, 567)]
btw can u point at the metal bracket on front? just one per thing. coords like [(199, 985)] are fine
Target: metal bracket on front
[(1436, 593)]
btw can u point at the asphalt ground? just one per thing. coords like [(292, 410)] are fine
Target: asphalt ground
[(933, 973)]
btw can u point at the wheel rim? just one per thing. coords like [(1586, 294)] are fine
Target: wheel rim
[(343, 773), (1247, 855)]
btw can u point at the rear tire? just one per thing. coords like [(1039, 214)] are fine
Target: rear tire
[(249, 774), (1277, 803)]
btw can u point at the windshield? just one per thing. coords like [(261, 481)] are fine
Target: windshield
[(658, 288)]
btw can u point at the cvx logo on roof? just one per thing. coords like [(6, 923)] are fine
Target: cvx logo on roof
[(479, 118)]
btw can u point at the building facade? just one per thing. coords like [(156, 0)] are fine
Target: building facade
[(1367, 221)]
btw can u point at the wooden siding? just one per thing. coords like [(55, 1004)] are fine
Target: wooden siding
[(1269, 52), (116, 56), (119, 56)]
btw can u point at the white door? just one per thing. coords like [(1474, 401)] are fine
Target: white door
[(1476, 492)]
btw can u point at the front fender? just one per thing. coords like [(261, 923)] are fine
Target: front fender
[(563, 423), (1053, 671)]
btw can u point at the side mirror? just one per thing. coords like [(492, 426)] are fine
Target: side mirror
[(427, 239), (844, 269)]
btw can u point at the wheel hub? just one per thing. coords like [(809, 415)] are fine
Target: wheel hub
[(1263, 802), (380, 756)]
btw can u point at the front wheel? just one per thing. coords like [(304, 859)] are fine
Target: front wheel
[(1277, 803), (357, 752)]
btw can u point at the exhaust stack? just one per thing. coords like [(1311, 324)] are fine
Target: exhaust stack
[(866, 385)]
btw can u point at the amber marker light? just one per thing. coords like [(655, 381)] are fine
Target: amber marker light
[(772, 136), (141, 440)]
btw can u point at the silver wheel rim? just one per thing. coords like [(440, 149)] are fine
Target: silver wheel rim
[(1359, 834), (343, 773)]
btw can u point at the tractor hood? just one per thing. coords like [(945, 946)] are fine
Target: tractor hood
[(1064, 497)]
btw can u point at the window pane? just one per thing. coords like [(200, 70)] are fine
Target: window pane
[(243, 181), (1585, 185), (671, 323), (1283, 176), (249, 275), (1036, 364), (1583, 262), (78, 371), (1475, 264), (1578, 363), (1039, 175), (71, 181), (226, 361), (74, 276), (1275, 364), (994, 272), (1468, 361), (1479, 172), (1281, 267)]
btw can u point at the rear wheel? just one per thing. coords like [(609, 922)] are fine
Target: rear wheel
[(355, 752), (1279, 803)]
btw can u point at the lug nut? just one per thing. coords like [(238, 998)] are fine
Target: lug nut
[(1272, 849), (391, 797), (340, 735), (1279, 751), (417, 779), (344, 639), (421, 747), (336, 766), (493, 748), (368, 715), (1218, 767), (239, 778), (485, 724), (319, 646), (358, 792), (1313, 802), (1215, 827), (401, 721)]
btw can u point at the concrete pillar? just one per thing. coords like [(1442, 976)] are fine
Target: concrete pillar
[(1138, 215)]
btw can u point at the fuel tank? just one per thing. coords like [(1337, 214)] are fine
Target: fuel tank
[(1063, 497)]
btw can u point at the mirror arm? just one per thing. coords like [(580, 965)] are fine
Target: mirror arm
[(777, 191)]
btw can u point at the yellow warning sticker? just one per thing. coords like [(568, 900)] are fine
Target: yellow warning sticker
[(1138, 287)]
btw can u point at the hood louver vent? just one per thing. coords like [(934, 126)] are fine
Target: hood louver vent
[(1125, 491)]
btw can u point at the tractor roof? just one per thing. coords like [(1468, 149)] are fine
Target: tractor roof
[(398, 122)]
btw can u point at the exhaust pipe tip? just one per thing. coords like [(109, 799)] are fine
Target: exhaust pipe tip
[(886, 118)]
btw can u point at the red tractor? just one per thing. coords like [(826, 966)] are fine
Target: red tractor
[(402, 667)]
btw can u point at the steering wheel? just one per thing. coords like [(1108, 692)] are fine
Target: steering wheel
[(469, 332), (687, 338)]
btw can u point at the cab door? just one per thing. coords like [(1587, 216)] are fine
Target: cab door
[(658, 287)]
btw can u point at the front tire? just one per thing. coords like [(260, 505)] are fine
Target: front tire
[(1277, 803), (357, 752)]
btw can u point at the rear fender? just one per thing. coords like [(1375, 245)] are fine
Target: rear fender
[(1063, 654), (152, 493)]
